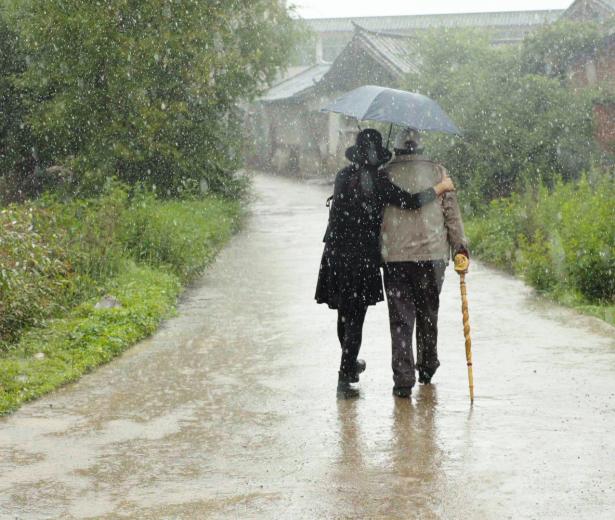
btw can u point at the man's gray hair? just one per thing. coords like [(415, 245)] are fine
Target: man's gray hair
[(408, 139)]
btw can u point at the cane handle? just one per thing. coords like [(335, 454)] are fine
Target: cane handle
[(462, 263)]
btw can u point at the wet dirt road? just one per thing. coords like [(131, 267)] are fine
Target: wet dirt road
[(230, 410)]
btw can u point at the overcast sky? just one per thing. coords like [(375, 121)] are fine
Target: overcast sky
[(348, 8)]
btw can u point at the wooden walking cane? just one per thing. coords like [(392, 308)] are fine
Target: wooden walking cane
[(461, 266)]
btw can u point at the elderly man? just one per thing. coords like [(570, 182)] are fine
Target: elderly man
[(416, 248)]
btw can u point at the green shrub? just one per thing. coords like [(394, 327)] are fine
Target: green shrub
[(588, 233), (493, 236), (89, 230), (536, 262), (35, 272), (55, 253), (560, 240), (182, 236)]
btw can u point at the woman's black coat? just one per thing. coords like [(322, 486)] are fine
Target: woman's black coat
[(350, 266)]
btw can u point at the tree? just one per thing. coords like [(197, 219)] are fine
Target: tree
[(17, 165), (552, 50), (519, 129), (148, 90)]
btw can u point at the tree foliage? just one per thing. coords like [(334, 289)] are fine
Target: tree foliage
[(147, 90), (11, 62), (17, 166), (560, 240), (519, 128), (554, 49)]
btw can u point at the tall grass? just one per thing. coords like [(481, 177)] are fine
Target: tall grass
[(56, 253), (182, 236), (562, 241)]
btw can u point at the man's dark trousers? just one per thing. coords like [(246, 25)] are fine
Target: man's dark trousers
[(413, 294)]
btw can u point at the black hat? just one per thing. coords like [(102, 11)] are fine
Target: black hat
[(368, 149)]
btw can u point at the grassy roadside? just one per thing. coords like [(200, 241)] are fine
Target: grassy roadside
[(162, 246), (604, 312), (560, 241), (72, 345)]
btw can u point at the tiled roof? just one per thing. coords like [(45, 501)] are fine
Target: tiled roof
[(296, 84), (410, 23), (394, 49), (392, 54), (592, 7)]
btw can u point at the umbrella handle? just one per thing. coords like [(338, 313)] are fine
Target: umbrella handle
[(389, 137)]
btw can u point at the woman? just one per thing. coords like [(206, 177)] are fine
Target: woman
[(349, 279)]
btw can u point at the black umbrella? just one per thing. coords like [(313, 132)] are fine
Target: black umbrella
[(393, 106)]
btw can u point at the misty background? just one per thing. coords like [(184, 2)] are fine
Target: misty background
[(338, 8)]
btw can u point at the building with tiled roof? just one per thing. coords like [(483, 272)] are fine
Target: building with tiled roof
[(588, 10), (371, 57), (297, 84), (332, 34), (292, 135)]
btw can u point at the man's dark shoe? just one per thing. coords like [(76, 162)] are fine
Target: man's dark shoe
[(402, 391), (425, 376), (345, 389)]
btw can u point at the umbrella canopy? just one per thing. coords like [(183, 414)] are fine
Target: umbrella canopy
[(398, 107)]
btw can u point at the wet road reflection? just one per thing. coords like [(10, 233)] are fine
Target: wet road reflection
[(230, 410)]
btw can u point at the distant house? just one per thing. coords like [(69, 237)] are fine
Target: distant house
[(590, 10), (333, 34), (598, 70), (286, 125), (291, 133), (604, 114), (370, 58)]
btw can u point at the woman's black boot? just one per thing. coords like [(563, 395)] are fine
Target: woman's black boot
[(345, 387), (359, 368)]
